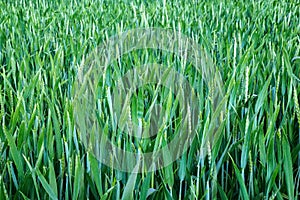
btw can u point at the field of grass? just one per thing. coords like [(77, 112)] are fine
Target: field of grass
[(255, 45)]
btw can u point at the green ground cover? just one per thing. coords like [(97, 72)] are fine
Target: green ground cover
[(253, 44)]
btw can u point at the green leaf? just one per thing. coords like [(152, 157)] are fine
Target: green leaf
[(46, 186), (182, 167), (77, 178), (52, 178), (288, 167), (262, 96), (130, 185), (14, 153), (96, 172), (240, 180), (145, 187), (272, 180)]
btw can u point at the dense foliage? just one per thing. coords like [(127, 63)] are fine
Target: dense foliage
[(254, 45)]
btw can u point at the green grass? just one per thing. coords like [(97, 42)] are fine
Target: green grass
[(254, 45)]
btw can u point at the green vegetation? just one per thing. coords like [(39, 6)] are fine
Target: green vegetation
[(254, 45)]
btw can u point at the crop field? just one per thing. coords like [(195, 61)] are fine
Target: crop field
[(228, 128)]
